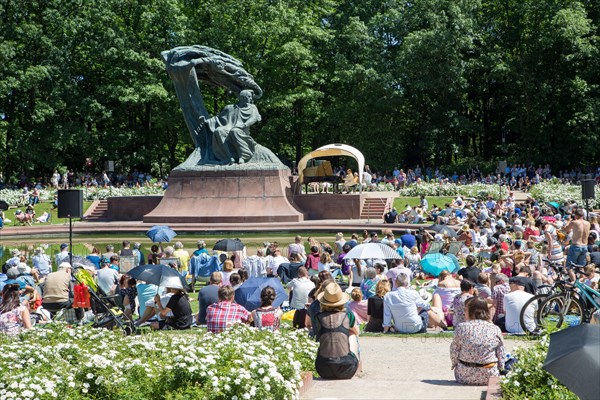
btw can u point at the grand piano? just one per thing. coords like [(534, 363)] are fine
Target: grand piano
[(320, 171)]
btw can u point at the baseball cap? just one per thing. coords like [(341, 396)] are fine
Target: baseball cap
[(104, 260), (64, 246)]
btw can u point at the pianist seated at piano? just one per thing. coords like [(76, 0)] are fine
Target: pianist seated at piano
[(319, 177)]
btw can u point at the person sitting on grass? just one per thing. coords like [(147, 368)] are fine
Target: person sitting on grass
[(128, 292), (368, 284), (477, 350), (337, 333), (467, 289), (375, 307), (178, 305), (226, 312), (358, 306), (14, 316), (409, 312), (266, 316)]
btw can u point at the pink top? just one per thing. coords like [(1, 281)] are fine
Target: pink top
[(359, 308), (447, 295)]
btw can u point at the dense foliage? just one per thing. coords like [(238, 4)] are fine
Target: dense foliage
[(432, 81), (85, 363)]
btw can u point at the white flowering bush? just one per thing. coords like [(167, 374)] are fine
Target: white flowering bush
[(16, 198), (60, 362), (102, 193), (527, 379), (476, 190), (553, 190)]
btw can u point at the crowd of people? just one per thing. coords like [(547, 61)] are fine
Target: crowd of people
[(71, 179), (515, 176), (508, 249), (518, 176)]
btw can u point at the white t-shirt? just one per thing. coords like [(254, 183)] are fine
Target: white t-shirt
[(255, 266), (107, 278), (301, 287), (325, 267), (356, 277), (513, 304)]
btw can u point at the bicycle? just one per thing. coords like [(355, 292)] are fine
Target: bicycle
[(543, 292), (573, 306)]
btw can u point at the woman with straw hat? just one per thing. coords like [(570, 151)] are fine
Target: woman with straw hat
[(337, 333)]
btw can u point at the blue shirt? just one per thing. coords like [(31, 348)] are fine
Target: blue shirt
[(42, 263), (94, 259), (200, 251)]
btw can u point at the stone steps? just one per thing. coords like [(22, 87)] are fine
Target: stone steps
[(98, 211), (374, 208)]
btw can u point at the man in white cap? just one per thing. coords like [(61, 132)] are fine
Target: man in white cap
[(58, 289), (15, 259), (63, 255), (41, 262), (177, 314)]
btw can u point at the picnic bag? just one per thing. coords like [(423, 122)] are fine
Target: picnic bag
[(81, 296)]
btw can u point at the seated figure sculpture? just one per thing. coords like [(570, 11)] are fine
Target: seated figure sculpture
[(231, 140), (224, 139)]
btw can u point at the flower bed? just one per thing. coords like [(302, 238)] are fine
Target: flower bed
[(476, 190), (553, 190), (527, 380), (85, 363)]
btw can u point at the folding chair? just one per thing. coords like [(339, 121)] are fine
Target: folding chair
[(435, 247), (455, 247), (126, 263)]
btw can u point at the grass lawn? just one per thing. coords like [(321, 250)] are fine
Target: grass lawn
[(47, 207), (401, 202)]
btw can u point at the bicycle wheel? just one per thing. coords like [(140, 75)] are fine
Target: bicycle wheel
[(561, 311), (536, 302)]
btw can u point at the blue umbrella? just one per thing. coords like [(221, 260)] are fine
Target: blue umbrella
[(435, 263), (161, 233), (248, 295)]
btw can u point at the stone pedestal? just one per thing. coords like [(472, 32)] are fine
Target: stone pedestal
[(226, 196)]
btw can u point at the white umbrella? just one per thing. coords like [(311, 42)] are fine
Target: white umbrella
[(368, 251)]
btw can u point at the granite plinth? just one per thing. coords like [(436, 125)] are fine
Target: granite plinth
[(226, 196)]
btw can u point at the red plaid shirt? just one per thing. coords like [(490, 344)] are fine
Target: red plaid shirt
[(223, 314), (498, 296)]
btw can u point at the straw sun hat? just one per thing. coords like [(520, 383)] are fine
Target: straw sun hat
[(332, 296)]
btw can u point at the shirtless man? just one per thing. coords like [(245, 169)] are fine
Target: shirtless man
[(578, 248)]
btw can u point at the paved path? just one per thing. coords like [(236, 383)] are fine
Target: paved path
[(401, 367)]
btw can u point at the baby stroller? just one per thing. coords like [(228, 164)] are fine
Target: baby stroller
[(107, 309)]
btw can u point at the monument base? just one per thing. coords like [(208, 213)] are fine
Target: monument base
[(226, 196)]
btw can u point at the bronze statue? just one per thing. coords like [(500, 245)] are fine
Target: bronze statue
[(225, 138)]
